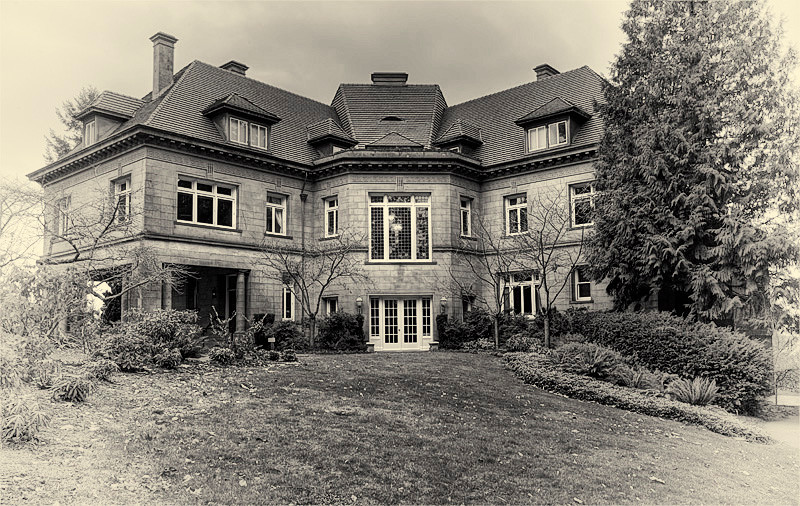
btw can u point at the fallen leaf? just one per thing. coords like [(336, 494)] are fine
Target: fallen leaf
[(653, 478), (242, 483), (577, 500)]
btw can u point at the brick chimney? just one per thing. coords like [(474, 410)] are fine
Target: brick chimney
[(163, 59), (544, 71), (389, 78), (235, 67)]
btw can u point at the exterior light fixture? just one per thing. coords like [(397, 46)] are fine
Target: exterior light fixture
[(359, 303), (443, 303)]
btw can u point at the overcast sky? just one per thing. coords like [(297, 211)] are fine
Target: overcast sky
[(49, 50)]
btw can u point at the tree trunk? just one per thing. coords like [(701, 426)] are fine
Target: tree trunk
[(547, 330), (496, 331), (312, 327)]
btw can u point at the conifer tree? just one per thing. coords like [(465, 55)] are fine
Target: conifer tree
[(57, 145), (698, 166)]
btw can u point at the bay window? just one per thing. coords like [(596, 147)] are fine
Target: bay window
[(206, 203), (400, 227)]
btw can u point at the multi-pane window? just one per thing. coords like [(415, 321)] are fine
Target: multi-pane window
[(466, 217), (548, 136), (331, 217), (258, 136), (331, 304), (62, 216), (206, 203), (519, 292), (276, 214), (516, 214), (581, 199), (238, 131), (400, 227), (122, 199), (90, 133), (287, 307), (582, 285), (374, 317), (426, 317)]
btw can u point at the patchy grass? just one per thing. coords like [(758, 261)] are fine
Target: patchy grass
[(379, 428)]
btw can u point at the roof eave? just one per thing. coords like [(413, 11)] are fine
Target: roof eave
[(215, 109), (572, 111)]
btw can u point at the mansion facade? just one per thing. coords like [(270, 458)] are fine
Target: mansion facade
[(218, 163)]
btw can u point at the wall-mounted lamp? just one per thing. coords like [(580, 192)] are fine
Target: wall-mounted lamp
[(359, 304), (443, 303)]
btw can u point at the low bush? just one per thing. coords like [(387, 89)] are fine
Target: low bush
[(478, 345), (168, 359), (521, 342), (741, 367), (587, 359), (222, 355), (21, 417), (73, 388), (274, 356), (46, 373), (477, 324), (100, 368), (636, 377), (700, 391), (341, 331), (530, 367), (288, 355), (288, 335)]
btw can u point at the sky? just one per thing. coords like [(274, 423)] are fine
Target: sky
[(49, 50)]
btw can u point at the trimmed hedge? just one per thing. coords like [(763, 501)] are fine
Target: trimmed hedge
[(741, 366), (531, 368), (341, 331)]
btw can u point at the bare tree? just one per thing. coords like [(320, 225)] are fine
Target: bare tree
[(18, 223), (552, 248), (311, 271)]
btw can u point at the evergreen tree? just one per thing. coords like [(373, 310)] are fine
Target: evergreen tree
[(698, 166), (57, 145)]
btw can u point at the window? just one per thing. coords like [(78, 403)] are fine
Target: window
[(426, 317), (276, 214), (466, 217), (374, 317), (62, 216), (90, 133), (548, 136), (519, 292), (467, 303), (455, 149), (331, 217), (206, 203), (581, 200), (516, 214), (287, 309), (122, 199), (399, 227), (581, 285), (331, 304), (258, 136), (238, 131)]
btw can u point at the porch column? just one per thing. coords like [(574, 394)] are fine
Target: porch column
[(240, 301), (166, 295)]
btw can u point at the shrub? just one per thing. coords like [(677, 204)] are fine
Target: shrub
[(222, 355), (741, 367), (478, 344), (168, 359), (274, 355), (529, 367), (45, 373), (587, 359), (700, 391), (510, 325), (129, 352), (288, 335), (341, 331), (477, 324), (100, 368), (636, 377), (521, 342), (73, 388), (21, 418), (288, 355), (264, 322)]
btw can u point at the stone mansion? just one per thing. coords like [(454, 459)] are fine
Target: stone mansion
[(218, 162)]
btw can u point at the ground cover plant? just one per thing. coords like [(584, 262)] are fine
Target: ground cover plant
[(376, 429)]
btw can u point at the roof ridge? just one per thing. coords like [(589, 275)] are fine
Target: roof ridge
[(121, 95), (386, 85), (239, 76), (169, 93), (352, 132), (433, 114), (557, 76)]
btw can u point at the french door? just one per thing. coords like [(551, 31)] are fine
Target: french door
[(399, 323)]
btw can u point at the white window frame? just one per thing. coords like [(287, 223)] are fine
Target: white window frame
[(328, 301), (512, 280), (520, 203), (416, 201), (576, 197), (533, 138), (62, 216), (214, 195), (287, 313), (240, 125), (576, 282), (331, 214), (465, 214), (256, 129), (122, 193), (550, 131), (270, 217), (90, 133), (552, 134)]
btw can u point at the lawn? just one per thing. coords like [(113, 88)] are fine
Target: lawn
[(378, 428)]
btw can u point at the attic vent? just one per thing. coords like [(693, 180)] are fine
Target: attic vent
[(389, 78), (391, 118)]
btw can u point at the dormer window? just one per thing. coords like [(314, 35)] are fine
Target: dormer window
[(258, 136), (90, 133), (238, 131), (548, 136)]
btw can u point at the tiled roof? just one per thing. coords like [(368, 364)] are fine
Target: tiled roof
[(114, 103), (327, 127), (237, 103), (394, 139), (503, 140), (460, 129), (556, 106), (369, 111)]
